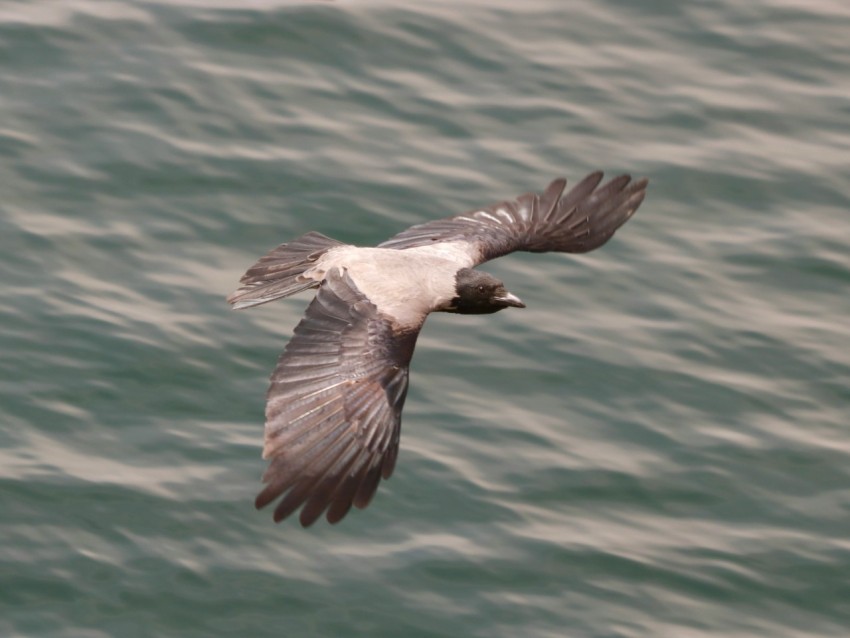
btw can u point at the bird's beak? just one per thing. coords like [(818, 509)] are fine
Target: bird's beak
[(510, 300)]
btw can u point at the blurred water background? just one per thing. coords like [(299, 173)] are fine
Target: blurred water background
[(658, 446)]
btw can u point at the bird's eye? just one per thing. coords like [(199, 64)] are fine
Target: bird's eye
[(480, 288)]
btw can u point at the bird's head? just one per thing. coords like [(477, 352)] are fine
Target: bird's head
[(477, 293)]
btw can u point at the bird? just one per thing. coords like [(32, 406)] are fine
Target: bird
[(334, 403)]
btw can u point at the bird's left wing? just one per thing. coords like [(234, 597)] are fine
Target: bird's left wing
[(333, 413), (580, 220)]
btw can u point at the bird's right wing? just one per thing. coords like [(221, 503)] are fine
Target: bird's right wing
[(333, 411), (583, 219)]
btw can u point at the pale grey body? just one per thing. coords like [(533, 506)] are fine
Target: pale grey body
[(422, 279), (333, 413)]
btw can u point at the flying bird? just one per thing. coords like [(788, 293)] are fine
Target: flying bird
[(333, 409)]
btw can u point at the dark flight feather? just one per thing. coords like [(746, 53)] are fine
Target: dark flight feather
[(333, 414), (583, 219)]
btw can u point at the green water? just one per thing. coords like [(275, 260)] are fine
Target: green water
[(657, 446)]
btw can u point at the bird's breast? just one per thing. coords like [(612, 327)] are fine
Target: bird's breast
[(405, 285)]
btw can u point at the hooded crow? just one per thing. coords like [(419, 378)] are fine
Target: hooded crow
[(333, 410)]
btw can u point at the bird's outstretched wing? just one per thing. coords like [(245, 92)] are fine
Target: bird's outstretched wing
[(583, 219), (333, 414)]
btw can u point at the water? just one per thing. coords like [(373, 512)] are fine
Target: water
[(657, 446)]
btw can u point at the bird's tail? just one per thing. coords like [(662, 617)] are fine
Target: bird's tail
[(280, 273)]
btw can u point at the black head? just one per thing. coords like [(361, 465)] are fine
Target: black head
[(480, 294)]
